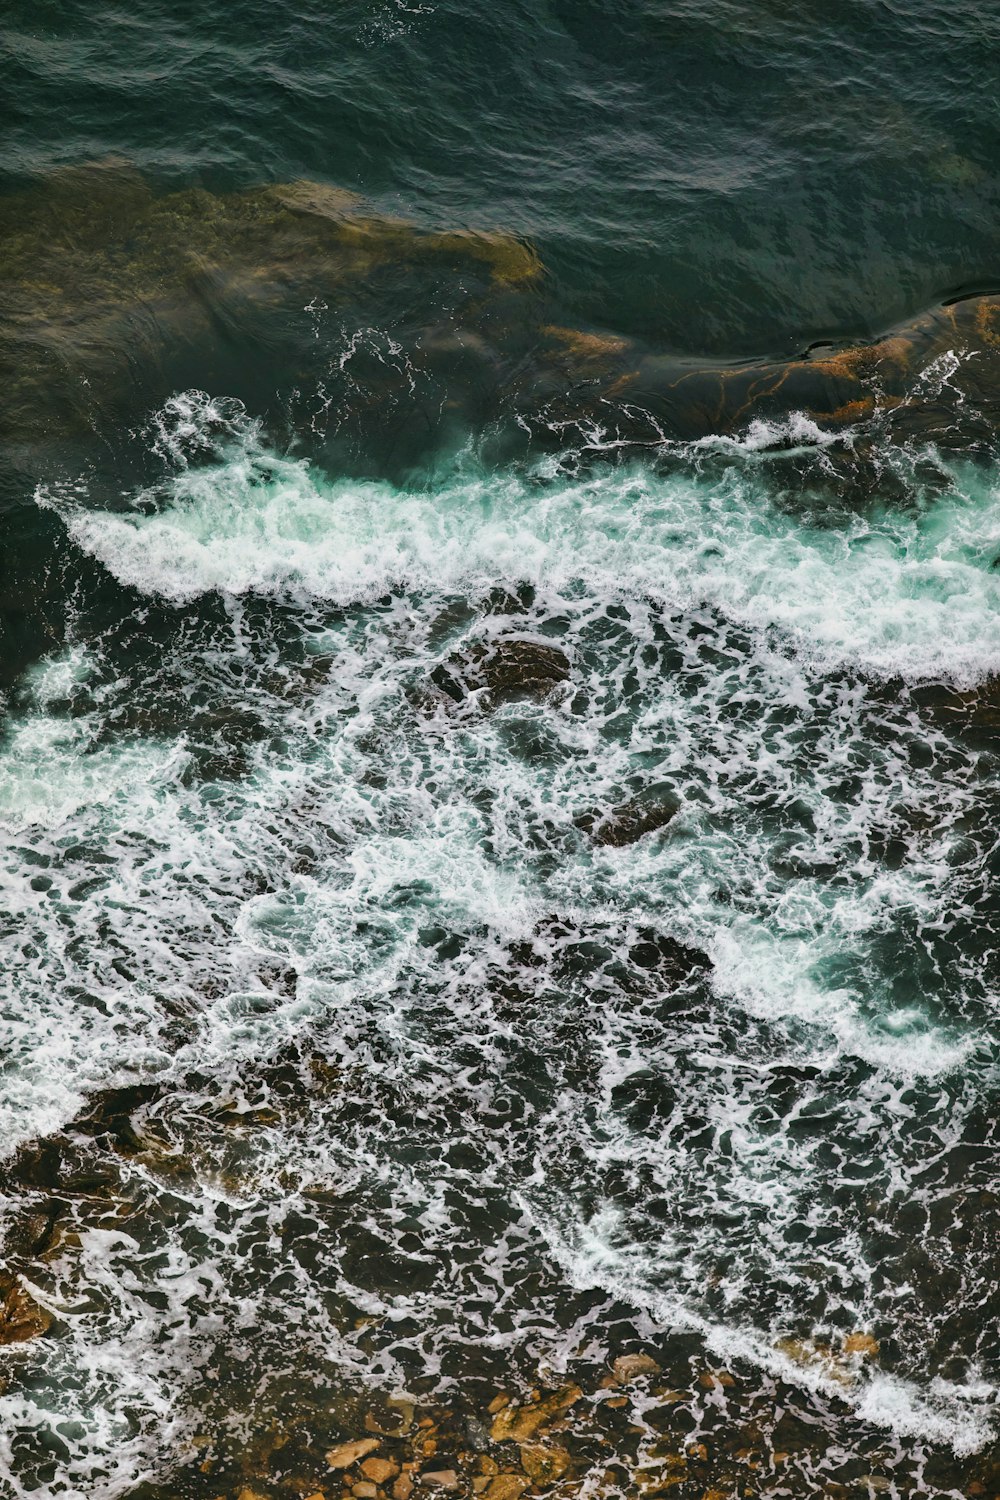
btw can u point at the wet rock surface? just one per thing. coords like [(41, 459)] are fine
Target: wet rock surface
[(505, 670), (626, 824), (636, 1411), (711, 1439)]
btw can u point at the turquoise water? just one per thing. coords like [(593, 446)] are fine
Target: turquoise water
[(493, 881)]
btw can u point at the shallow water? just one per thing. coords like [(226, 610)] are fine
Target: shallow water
[(493, 881)]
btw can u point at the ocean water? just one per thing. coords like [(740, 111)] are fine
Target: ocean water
[(498, 795)]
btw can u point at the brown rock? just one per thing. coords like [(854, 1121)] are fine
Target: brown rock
[(346, 1454), (814, 1355), (21, 1317), (587, 347), (365, 1490), (670, 1398), (629, 1367), (544, 1465), (403, 1488), (508, 669), (379, 1469), (507, 1487), (520, 1423), (441, 1479)]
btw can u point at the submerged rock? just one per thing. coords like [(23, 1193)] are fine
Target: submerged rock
[(112, 294), (346, 1455), (115, 297), (629, 1367), (520, 1423), (914, 378), (507, 1487), (544, 1464), (840, 1365)]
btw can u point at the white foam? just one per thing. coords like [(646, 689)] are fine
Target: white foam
[(906, 591), (698, 614), (952, 1415)]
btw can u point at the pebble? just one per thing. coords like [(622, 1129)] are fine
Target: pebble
[(628, 1367), (379, 1469), (346, 1454), (507, 1487), (441, 1479)]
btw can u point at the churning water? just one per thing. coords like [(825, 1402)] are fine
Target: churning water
[(738, 1073), (499, 734)]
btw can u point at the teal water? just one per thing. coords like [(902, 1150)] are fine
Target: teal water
[(494, 881)]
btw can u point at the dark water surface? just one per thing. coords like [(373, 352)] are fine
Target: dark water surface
[(499, 633)]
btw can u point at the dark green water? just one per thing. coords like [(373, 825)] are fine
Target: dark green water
[(499, 745)]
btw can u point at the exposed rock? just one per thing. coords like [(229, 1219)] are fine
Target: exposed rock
[(629, 1367), (21, 1317), (646, 396), (627, 824), (504, 670), (347, 1454)]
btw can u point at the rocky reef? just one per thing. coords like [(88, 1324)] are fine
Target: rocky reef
[(115, 296)]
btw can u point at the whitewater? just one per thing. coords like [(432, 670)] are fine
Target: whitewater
[(727, 1073)]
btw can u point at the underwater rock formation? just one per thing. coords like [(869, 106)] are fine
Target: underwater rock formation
[(114, 297), (112, 293), (917, 374)]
